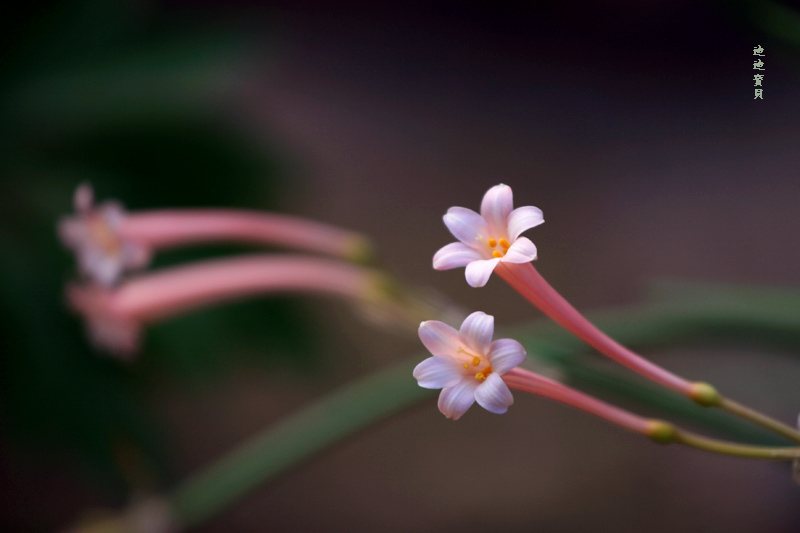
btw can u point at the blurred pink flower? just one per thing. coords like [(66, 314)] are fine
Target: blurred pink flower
[(109, 242), (115, 317), (467, 365), (490, 237), (93, 233)]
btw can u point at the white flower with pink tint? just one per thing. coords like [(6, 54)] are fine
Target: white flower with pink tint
[(467, 365), (488, 238), (93, 234)]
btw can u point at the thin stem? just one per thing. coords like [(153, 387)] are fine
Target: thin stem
[(528, 282), (739, 450), (665, 433), (759, 419)]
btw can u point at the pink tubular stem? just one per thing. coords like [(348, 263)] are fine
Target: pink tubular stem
[(526, 280), (169, 292), (526, 381), (169, 228)]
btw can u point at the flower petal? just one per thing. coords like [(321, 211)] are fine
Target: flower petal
[(454, 255), (83, 198), (476, 332), (496, 207), (505, 354), (108, 329), (438, 372), (478, 272), (454, 401), (97, 266), (438, 337), (522, 251), (72, 232), (466, 225), (112, 214), (523, 218), (493, 395)]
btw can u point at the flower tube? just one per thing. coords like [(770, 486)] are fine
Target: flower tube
[(527, 381), (115, 317), (109, 242), (526, 280)]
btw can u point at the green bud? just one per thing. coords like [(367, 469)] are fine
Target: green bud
[(705, 394), (661, 432)]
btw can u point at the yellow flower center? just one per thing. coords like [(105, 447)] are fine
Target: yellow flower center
[(482, 375), (104, 236), (477, 362), (504, 246)]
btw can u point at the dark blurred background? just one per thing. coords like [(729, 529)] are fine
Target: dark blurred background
[(633, 125)]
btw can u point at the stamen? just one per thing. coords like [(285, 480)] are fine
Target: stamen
[(480, 376), (104, 236), (466, 365), (504, 243), (492, 243), (476, 361)]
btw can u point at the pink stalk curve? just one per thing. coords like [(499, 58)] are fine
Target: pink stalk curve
[(173, 291), (115, 316), (526, 280), (170, 228), (526, 381)]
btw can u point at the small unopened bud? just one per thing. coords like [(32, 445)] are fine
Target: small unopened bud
[(660, 431), (796, 462), (705, 394)]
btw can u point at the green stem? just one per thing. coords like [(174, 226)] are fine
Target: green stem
[(759, 419), (739, 450), (286, 443), (689, 311), (769, 316)]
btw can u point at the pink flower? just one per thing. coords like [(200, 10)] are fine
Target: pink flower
[(94, 236), (489, 238), (467, 365), (109, 242), (115, 317)]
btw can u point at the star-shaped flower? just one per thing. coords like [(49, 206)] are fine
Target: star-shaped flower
[(467, 365), (93, 234), (489, 237)]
